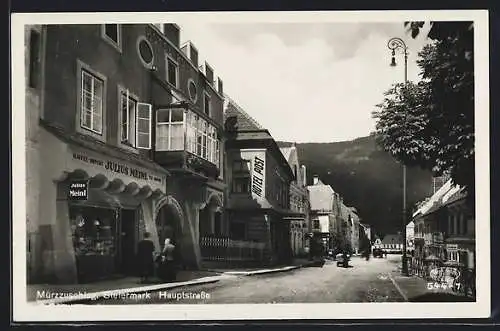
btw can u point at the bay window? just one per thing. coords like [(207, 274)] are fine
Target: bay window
[(173, 126), (170, 129)]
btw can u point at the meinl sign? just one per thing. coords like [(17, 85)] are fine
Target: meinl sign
[(78, 190)]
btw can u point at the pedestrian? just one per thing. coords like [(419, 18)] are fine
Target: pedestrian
[(145, 258), (167, 266)]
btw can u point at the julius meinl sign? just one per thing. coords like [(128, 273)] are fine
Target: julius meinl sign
[(78, 190), (117, 168)]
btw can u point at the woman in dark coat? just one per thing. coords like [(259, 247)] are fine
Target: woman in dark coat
[(145, 250)]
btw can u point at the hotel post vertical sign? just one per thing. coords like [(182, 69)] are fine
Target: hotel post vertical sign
[(258, 176)]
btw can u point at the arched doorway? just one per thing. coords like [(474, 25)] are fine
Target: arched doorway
[(169, 223), (210, 217)]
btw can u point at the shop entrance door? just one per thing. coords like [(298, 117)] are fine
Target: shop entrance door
[(128, 242)]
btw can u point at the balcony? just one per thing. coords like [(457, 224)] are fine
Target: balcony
[(187, 143)]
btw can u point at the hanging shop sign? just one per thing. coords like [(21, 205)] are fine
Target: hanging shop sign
[(259, 166), (117, 167), (78, 190)]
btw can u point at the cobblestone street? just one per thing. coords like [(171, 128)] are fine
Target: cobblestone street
[(364, 281)]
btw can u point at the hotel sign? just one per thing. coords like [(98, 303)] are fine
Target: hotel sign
[(258, 175), (78, 190)]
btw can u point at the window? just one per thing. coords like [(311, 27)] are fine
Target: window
[(192, 91), (170, 129), (143, 122), (145, 51), (206, 103), (241, 166), (172, 71), (241, 184), (93, 231), (92, 89), (128, 108), (34, 65), (201, 137), (111, 33)]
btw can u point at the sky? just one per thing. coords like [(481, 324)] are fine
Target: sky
[(306, 82)]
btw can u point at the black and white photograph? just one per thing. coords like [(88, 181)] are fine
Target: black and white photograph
[(272, 165)]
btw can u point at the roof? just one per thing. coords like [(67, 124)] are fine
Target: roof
[(392, 239), (243, 121), (446, 194), (320, 196), (286, 151), (100, 147)]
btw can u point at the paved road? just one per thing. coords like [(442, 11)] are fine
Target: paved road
[(365, 281)]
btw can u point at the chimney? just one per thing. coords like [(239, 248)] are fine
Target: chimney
[(315, 179), (304, 175), (209, 73), (191, 52), (220, 86), (172, 32)]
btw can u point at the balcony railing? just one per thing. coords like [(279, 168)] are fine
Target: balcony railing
[(221, 248)]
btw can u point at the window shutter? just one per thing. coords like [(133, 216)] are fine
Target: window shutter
[(143, 125)]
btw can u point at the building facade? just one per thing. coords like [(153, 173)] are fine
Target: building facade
[(33, 51), (188, 141), (299, 202), (258, 204), (324, 223), (131, 134), (445, 230), (392, 243)]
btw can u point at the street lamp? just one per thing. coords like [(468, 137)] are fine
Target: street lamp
[(397, 44)]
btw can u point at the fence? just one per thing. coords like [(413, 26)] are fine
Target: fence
[(219, 248)]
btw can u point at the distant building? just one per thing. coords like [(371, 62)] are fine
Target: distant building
[(392, 243), (366, 229), (322, 200), (299, 202)]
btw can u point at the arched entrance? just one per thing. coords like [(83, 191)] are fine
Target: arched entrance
[(169, 220), (210, 219)]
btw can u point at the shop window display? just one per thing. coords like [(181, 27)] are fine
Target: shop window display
[(93, 231), (94, 241)]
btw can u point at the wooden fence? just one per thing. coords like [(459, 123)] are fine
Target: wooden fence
[(219, 248)]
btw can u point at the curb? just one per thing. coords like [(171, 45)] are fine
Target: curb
[(261, 272), (83, 297)]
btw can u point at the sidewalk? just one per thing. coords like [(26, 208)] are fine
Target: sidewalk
[(81, 293), (296, 264), (415, 289)]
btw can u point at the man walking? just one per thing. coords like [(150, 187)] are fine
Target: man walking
[(145, 250)]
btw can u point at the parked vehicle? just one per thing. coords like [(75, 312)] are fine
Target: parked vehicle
[(378, 252), (342, 260)]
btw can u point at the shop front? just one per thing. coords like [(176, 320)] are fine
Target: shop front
[(96, 204)]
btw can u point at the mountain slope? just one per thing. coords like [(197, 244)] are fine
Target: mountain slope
[(367, 177)]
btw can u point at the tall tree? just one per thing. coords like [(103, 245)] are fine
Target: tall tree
[(431, 124)]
